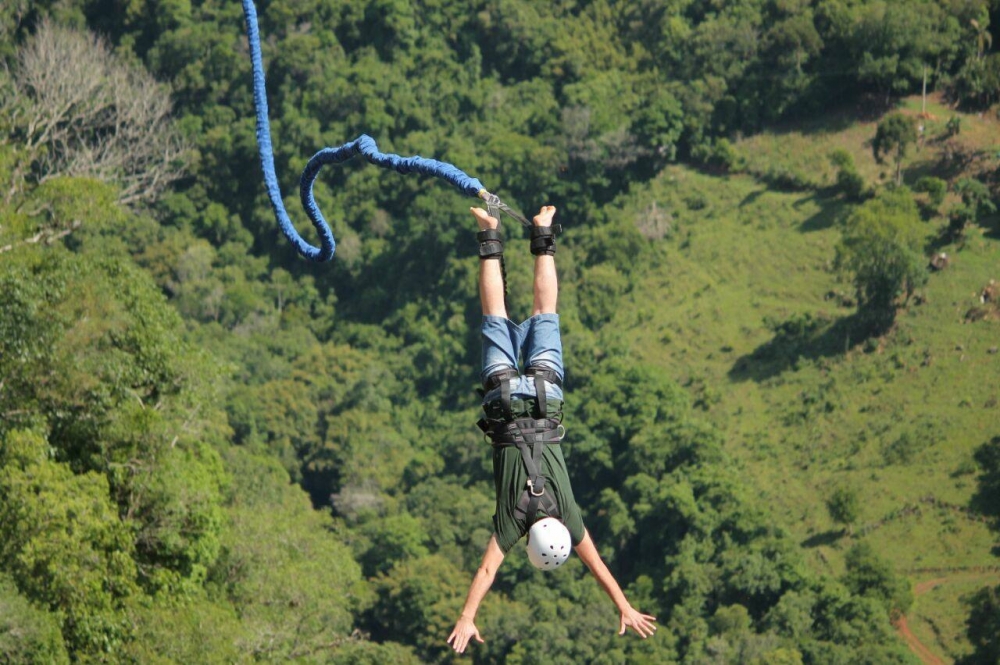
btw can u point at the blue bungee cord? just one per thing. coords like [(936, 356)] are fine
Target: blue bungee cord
[(363, 145)]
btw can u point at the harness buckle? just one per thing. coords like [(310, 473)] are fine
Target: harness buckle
[(494, 205), (531, 488)]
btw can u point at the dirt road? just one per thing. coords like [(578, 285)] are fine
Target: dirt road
[(925, 655)]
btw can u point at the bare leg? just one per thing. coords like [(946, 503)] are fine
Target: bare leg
[(546, 283), (490, 277)]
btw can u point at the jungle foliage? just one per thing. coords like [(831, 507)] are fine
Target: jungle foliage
[(212, 451)]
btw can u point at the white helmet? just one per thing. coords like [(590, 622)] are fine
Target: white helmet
[(549, 544)]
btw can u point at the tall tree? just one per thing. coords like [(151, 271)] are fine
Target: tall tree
[(895, 134), (880, 248), (844, 506)]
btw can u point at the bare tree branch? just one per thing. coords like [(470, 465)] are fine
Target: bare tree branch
[(79, 111), (48, 236)]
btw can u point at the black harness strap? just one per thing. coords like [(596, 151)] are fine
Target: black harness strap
[(536, 480), (499, 379), (543, 239), (525, 430), (541, 375), (530, 436), (540, 397), (508, 413), (490, 244), (549, 375)]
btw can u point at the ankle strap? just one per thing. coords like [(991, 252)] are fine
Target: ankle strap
[(490, 244), (543, 239)]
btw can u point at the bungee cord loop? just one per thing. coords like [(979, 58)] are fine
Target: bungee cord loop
[(364, 145)]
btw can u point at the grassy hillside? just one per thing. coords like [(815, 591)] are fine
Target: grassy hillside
[(896, 419)]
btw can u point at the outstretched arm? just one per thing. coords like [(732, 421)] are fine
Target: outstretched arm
[(630, 617), (465, 628)]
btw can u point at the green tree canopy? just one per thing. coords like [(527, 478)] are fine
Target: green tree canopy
[(880, 248), (893, 137), (844, 506)]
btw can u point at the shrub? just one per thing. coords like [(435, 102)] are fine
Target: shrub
[(870, 575), (849, 181), (935, 188), (844, 506), (881, 248), (954, 126), (977, 84)]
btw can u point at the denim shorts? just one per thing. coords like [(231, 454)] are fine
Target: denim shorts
[(536, 342)]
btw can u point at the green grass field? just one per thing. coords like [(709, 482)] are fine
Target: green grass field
[(896, 419), (937, 615)]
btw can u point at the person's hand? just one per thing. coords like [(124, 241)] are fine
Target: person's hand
[(484, 219), (464, 631), (544, 216), (640, 623)]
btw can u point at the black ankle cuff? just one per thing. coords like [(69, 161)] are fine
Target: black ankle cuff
[(543, 239), (490, 244)]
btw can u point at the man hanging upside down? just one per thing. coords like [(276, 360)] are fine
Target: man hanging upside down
[(523, 422)]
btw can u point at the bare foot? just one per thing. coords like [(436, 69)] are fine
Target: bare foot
[(544, 216), (484, 219)]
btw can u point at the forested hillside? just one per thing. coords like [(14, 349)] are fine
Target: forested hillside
[(782, 423)]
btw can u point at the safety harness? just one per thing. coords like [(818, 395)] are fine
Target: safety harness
[(529, 434), (532, 432)]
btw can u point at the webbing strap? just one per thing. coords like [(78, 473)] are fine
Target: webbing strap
[(508, 413), (515, 432), (532, 457), (540, 397), (496, 378), (530, 436), (545, 502), (494, 205), (490, 244), (542, 375), (537, 487), (549, 375)]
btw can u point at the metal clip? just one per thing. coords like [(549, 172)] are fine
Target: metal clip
[(531, 488), (494, 206)]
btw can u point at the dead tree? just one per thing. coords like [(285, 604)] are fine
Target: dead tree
[(75, 109)]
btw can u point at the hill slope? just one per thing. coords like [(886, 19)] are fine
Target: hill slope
[(896, 420)]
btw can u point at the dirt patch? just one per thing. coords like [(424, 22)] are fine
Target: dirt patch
[(916, 646), (924, 587), (927, 656)]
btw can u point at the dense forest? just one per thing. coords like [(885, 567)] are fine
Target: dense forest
[(212, 450)]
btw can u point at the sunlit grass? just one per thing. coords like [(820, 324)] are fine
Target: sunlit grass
[(802, 151), (896, 419), (938, 615)]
